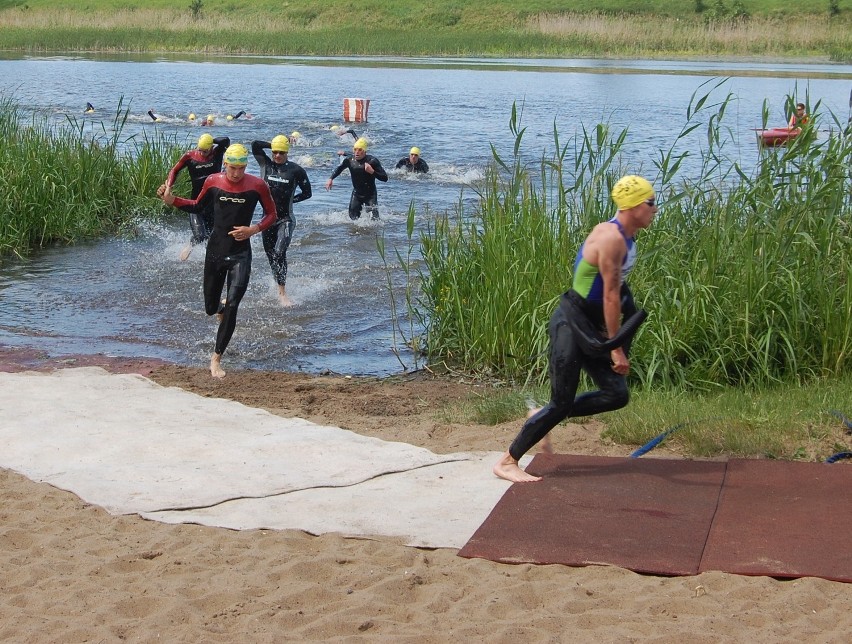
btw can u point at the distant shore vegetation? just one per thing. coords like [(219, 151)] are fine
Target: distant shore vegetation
[(538, 28)]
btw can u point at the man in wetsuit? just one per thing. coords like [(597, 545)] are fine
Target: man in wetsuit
[(200, 163), (591, 327), (364, 169), (233, 195), (413, 162), (283, 177)]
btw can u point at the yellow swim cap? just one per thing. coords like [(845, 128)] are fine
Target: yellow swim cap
[(211, 118), (415, 150), (280, 144), (361, 144), (205, 142), (229, 117), (334, 128), (295, 135), (630, 191), (236, 154), (192, 117)]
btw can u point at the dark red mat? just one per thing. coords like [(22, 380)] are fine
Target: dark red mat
[(783, 519), (648, 515), (674, 517)]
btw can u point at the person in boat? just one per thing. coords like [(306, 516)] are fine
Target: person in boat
[(283, 177), (413, 162), (233, 196), (798, 119), (200, 163), (364, 169), (592, 326)]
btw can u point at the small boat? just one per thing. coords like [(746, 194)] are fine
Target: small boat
[(776, 136)]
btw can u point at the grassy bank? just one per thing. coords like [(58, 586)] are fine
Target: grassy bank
[(440, 28), (748, 277), (64, 182)]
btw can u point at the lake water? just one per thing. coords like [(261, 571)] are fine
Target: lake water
[(132, 297)]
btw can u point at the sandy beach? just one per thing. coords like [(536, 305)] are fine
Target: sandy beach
[(74, 573)]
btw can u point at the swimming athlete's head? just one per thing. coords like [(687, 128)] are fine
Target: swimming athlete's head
[(192, 117), (205, 143), (236, 154), (631, 190), (415, 151), (360, 144), (280, 144), (235, 161), (211, 118)]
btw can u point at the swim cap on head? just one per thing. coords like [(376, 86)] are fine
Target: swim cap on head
[(334, 128), (361, 144), (630, 191), (415, 150), (211, 118), (205, 142), (229, 117), (280, 144), (236, 154), (192, 117), (294, 134)]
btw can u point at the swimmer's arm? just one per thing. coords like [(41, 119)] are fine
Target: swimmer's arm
[(258, 151), (304, 184)]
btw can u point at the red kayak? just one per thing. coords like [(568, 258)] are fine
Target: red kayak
[(776, 136)]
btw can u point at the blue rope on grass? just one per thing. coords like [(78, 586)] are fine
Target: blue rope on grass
[(838, 457), (647, 447)]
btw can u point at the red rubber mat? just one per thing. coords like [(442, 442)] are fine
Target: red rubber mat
[(783, 519), (647, 515), (673, 517)]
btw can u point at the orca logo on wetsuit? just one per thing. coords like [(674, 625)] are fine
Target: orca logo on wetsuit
[(232, 199)]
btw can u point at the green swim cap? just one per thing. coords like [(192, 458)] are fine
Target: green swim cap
[(630, 191), (236, 154)]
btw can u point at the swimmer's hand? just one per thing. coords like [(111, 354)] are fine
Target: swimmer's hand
[(241, 233), (368, 168), (164, 192)]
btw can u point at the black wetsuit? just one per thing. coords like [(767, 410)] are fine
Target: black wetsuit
[(569, 354), (420, 166), (228, 259), (199, 167), (152, 115), (363, 184), (283, 179), (239, 114)]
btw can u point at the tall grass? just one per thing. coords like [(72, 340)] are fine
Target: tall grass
[(472, 28), (748, 277), (63, 182)]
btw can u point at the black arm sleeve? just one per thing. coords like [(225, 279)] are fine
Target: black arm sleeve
[(257, 150), (304, 187)]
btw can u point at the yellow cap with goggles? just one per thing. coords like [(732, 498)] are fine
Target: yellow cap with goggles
[(236, 154), (630, 191)]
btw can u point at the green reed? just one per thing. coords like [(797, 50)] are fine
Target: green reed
[(748, 277), (61, 182)]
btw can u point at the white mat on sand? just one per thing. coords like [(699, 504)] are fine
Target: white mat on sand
[(131, 446)]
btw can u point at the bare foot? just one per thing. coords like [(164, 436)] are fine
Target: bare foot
[(216, 366), (184, 254), (283, 300), (507, 468)]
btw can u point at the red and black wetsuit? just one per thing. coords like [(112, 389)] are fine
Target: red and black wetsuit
[(228, 259), (282, 179), (200, 166), (363, 184)]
